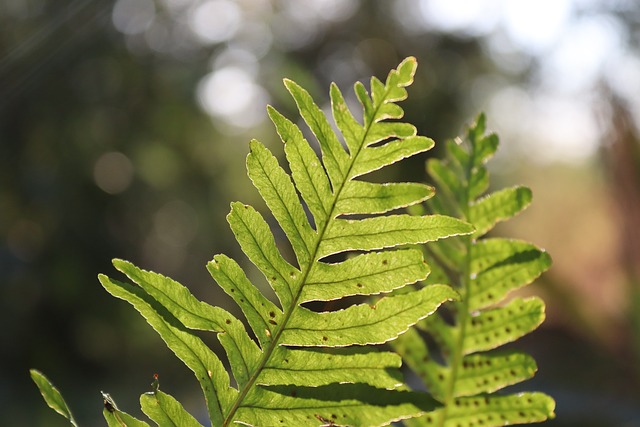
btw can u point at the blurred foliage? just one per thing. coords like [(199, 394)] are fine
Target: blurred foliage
[(107, 150)]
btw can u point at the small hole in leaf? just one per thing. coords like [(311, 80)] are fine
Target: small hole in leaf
[(228, 322), (272, 314), (325, 339)]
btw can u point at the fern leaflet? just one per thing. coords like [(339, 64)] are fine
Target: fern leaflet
[(307, 367), (484, 271), (52, 396)]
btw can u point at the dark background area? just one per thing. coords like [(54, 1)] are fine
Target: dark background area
[(123, 132)]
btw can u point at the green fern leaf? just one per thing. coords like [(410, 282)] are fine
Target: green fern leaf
[(166, 410), (51, 395), (470, 366), (308, 367)]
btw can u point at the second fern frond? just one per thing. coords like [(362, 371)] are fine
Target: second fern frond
[(466, 367)]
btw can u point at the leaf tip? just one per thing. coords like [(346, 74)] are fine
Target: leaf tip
[(407, 70), (120, 264), (290, 84)]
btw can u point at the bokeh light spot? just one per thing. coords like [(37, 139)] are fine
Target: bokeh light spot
[(176, 223), (133, 16), (578, 57), (113, 172), (536, 24), (215, 21), (232, 95), (472, 18), (334, 10), (158, 165)]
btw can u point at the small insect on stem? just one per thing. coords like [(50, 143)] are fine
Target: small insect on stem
[(155, 385)]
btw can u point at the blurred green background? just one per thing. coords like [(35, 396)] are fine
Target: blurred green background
[(124, 127)]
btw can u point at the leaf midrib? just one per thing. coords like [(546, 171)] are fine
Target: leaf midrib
[(458, 354), (303, 277)]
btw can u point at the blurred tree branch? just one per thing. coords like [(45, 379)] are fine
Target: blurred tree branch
[(622, 159)]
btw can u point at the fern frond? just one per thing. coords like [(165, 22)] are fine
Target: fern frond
[(307, 367), (484, 271)]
